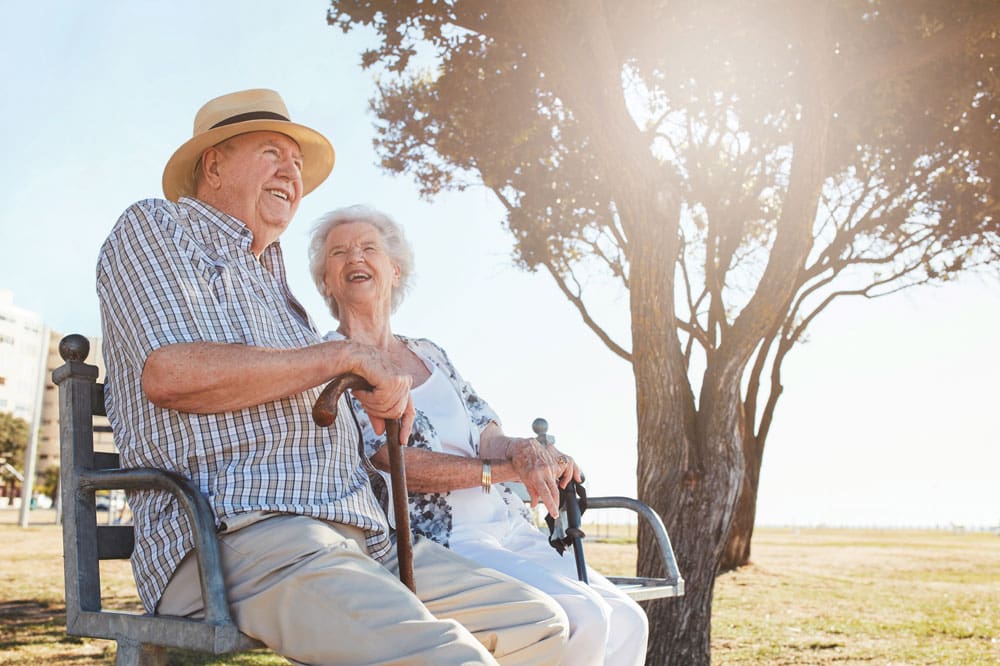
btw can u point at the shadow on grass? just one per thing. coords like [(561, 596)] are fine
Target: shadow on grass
[(29, 621), (31, 626), (38, 626)]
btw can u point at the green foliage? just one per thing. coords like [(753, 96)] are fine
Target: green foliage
[(716, 93), (48, 481), (14, 434)]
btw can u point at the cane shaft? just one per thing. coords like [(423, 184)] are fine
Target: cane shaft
[(324, 414), (400, 504), (574, 518)]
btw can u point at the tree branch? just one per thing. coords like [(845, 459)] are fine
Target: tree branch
[(582, 309), (910, 56)]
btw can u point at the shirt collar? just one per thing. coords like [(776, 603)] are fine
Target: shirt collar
[(224, 222)]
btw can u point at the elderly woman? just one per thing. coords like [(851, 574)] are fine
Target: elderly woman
[(361, 263)]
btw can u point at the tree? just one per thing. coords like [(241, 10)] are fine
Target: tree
[(48, 481), (14, 433), (736, 167)]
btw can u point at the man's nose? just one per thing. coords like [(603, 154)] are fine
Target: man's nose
[(287, 168)]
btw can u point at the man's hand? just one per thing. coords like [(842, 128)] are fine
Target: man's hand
[(389, 402), (390, 398)]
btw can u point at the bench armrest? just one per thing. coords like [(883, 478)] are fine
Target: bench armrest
[(198, 511), (673, 574)]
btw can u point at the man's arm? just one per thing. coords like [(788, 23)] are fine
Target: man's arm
[(207, 377)]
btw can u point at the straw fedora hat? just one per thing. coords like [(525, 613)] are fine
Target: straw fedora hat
[(257, 110)]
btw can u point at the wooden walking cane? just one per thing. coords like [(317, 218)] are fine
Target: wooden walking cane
[(324, 413)]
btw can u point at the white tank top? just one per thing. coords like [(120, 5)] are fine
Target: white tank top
[(439, 401), (441, 404)]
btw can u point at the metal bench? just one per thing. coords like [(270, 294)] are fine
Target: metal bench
[(141, 638), (638, 587)]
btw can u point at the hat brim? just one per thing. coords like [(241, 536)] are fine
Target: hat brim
[(317, 154)]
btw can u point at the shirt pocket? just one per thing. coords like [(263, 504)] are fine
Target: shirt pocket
[(220, 281)]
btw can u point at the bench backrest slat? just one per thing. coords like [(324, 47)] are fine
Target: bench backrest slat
[(115, 542), (104, 460)]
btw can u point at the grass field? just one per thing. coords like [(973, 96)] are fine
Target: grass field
[(861, 597), (810, 597)]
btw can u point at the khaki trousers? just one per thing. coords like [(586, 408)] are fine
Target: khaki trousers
[(308, 590)]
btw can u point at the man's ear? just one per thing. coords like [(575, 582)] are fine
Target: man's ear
[(209, 167)]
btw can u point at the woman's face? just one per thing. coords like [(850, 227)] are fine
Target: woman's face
[(359, 272)]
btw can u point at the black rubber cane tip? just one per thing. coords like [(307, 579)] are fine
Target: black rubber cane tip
[(74, 347)]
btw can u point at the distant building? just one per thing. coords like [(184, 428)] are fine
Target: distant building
[(23, 343)]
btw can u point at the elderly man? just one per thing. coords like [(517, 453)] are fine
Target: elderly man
[(213, 367)]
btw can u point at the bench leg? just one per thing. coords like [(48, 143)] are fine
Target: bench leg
[(131, 653)]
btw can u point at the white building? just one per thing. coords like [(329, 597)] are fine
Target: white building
[(23, 346)]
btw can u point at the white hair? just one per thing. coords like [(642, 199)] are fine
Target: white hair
[(393, 240)]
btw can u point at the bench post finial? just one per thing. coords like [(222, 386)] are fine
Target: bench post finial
[(74, 347), (77, 382)]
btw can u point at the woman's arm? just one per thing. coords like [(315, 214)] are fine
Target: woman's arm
[(538, 467), (435, 472), (542, 470)]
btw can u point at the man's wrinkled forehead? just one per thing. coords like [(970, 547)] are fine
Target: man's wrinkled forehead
[(275, 139)]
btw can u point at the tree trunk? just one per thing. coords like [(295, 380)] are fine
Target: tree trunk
[(703, 508), (775, 291), (737, 551), (690, 467)]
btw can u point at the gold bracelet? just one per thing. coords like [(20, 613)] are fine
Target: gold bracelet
[(487, 480)]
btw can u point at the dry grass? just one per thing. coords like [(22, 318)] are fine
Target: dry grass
[(861, 597), (810, 597)]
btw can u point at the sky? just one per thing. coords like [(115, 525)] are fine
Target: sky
[(889, 412)]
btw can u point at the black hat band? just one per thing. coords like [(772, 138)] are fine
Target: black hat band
[(252, 115)]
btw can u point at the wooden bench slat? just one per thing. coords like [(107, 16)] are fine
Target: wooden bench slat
[(166, 630)]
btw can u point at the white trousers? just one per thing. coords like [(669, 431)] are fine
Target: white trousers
[(607, 628)]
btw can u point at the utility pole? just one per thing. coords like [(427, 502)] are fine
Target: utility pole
[(31, 455)]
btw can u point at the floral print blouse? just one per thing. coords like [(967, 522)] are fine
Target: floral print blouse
[(431, 512)]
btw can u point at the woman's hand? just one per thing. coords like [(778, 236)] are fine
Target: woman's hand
[(542, 469), (570, 470)]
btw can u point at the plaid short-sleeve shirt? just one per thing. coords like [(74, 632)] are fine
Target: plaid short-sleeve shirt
[(183, 272)]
